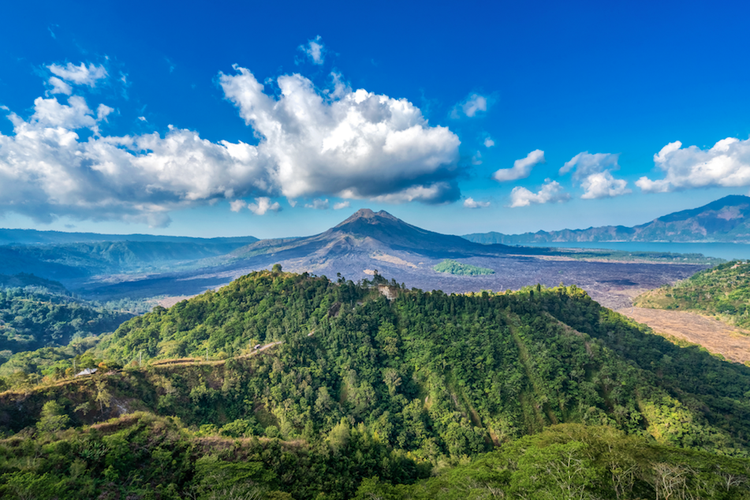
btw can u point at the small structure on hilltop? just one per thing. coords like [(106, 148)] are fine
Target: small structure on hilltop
[(388, 291), (87, 371)]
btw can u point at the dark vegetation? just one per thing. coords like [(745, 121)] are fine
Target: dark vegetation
[(540, 393), (723, 291), (452, 267), (34, 317)]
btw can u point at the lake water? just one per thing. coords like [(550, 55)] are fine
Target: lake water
[(728, 251)]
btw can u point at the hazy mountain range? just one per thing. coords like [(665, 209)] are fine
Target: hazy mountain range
[(141, 266), (724, 220)]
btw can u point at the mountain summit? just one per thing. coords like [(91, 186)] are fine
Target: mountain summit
[(383, 229), (365, 233), (726, 220)]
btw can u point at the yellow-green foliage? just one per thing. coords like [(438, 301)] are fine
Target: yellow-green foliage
[(723, 291)]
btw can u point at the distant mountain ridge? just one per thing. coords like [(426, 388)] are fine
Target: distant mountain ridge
[(723, 220), (35, 237)]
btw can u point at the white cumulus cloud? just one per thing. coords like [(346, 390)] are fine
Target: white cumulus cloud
[(551, 192), (237, 205), (473, 104), (351, 143), (340, 205), (726, 164), (594, 173), (340, 142), (262, 205), (521, 168), (488, 142), (314, 50), (472, 203)]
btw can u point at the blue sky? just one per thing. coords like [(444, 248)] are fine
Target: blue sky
[(271, 119)]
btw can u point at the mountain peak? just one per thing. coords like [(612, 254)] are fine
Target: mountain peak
[(368, 216)]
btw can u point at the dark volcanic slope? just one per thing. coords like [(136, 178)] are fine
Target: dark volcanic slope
[(368, 231), (727, 219)]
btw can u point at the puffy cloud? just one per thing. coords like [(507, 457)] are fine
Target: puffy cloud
[(521, 168), (262, 205), (318, 204), (603, 185), (472, 203), (551, 192), (237, 205), (345, 143), (47, 170), (594, 173), (340, 205), (78, 75), (488, 143), (314, 50), (726, 164), (470, 106), (350, 144)]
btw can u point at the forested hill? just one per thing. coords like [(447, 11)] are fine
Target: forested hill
[(437, 374), (726, 219), (36, 313), (722, 291), (442, 378)]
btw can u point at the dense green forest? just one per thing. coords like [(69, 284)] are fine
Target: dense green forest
[(349, 385), (142, 456), (452, 267), (723, 291), (31, 318)]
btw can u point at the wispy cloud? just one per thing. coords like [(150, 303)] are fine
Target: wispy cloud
[(472, 203), (473, 105), (318, 204), (314, 50), (521, 168), (79, 75)]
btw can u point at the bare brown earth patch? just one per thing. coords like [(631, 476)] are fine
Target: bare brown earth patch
[(732, 343), (172, 300), (392, 259)]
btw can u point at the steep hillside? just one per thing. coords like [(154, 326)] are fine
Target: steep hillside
[(377, 385), (431, 373), (726, 219), (722, 291)]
